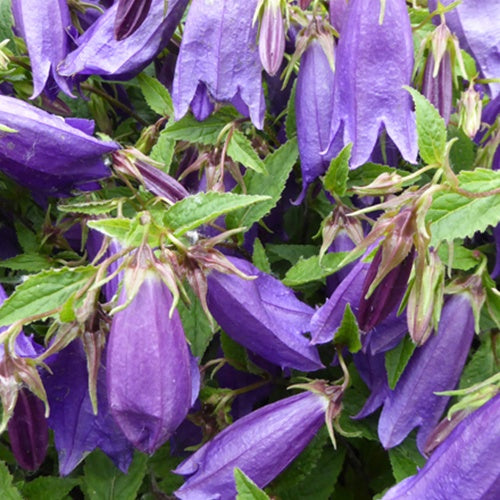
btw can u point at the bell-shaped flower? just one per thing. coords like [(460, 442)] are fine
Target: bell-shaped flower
[(45, 29), (99, 53), (261, 444), (434, 367), (130, 14), (219, 51), (263, 315), (45, 153), (313, 105), (271, 36), (152, 382), (77, 430), (374, 60), (464, 466)]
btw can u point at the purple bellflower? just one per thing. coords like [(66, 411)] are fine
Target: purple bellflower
[(374, 60), (99, 53), (438, 87), (263, 315), (272, 36), (130, 14), (434, 367), (152, 382), (464, 466), (261, 444), (43, 152), (44, 26), (219, 60)]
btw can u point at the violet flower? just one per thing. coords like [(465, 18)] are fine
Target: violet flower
[(45, 153), (261, 444), (99, 53), (438, 88), (130, 14), (434, 367), (219, 59), (373, 62), (150, 376), (44, 26), (263, 315), (464, 466), (272, 37)]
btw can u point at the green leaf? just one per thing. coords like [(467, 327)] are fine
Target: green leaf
[(431, 129), (259, 257), (290, 120), (367, 173), (26, 237), (43, 292), (8, 490), (26, 262), (163, 151), (453, 215), (463, 258), (200, 208), (279, 165), (291, 253), (312, 269), (103, 481), (482, 365), (48, 488), (95, 207), (206, 132), (348, 333), (336, 176), (118, 228), (162, 463), (396, 360), (156, 95), (405, 459), (463, 150), (240, 149), (246, 488)]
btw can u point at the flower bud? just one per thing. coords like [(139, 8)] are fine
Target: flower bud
[(469, 111), (272, 36)]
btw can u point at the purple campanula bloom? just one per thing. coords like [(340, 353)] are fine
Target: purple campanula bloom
[(77, 431), (373, 62), (464, 466), (313, 105), (44, 26), (150, 374), (45, 153), (219, 52), (261, 444), (434, 367), (130, 14), (438, 88), (263, 315), (99, 53), (337, 10), (272, 37)]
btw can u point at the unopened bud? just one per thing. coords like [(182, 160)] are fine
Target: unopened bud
[(385, 183), (272, 37), (469, 112)]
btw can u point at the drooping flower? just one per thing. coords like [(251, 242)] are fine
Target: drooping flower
[(43, 152), (44, 26), (261, 444), (130, 14), (219, 57), (374, 60), (263, 315), (272, 36), (99, 53), (464, 466), (150, 376), (434, 367)]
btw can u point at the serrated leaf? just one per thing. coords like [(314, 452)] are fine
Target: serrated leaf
[(396, 360), (246, 488), (279, 165), (205, 132), (8, 490), (26, 262), (431, 129), (156, 95), (163, 151), (453, 215), (405, 459), (240, 150), (43, 292), (96, 207), (26, 238), (103, 481), (313, 269), (336, 176), (200, 208), (462, 153), (463, 258), (117, 228), (348, 333), (259, 257), (48, 488)]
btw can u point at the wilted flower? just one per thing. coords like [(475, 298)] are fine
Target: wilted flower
[(45, 153), (151, 379), (434, 367), (261, 444), (130, 14), (464, 466), (271, 36), (219, 58), (374, 60), (44, 26), (263, 315), (99, 53)]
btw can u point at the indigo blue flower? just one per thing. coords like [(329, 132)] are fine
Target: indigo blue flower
[(130, 14)]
